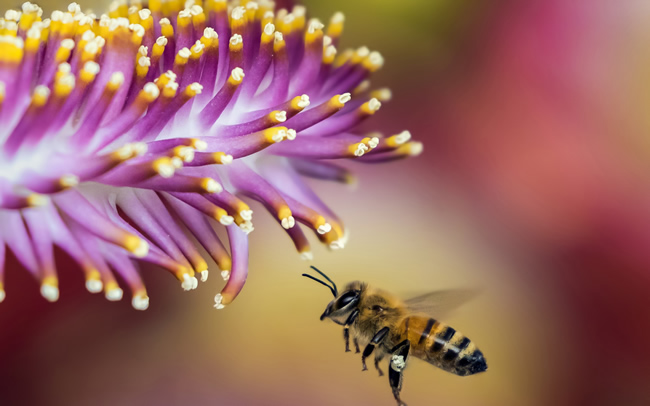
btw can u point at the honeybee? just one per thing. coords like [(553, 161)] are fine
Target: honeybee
[(386, 325)]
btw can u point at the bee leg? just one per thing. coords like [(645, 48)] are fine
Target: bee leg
[(346, 337), (356, 345), (378, 338), (346, 330), (378, 358), (397, 364)]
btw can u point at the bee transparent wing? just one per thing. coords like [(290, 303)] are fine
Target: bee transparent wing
[(441, 303)]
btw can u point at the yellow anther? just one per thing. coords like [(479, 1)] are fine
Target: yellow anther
[(329, 53), (166, 28), (158, 48), (280, 16), (268, 17), (149, 93), (395, 141), (50, 288), (112, 290), (197, 144), (268, 33), (198, 20), (197, 50), (382, 95), (164, 166), (146, 23), (236, 77), (275, 134), (93, 279), (182, 57), (277, 116), (361, 88), (199, 264), (165, 79), (64, 86), (170, 89), (222, 158), (63, 53), (358, 149), (134, 18), (314, 32), (219, 213), (210, 185), (89, 72), (335, 27), (116, 80), (299, 103), (339, 100), (373, 62), (299, 20), (40, 96), (184, 152), (238, 19), (137, 34), (32, 44), (251, 10), (68, 181), (370, 107), (318, 223), (50, 280), (278, 43), (236, 43), (193, 90), (413, 148), (184, 19), (26, 21), (142, 66), (36, 200), (284, 211)]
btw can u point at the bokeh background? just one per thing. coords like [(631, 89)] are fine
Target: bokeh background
[(534, 187)]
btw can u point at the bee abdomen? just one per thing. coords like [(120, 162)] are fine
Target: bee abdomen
[(442, 346), (452, 351)]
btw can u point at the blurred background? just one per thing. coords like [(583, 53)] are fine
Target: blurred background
[(534, 187)]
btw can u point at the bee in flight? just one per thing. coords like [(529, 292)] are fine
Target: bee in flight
[(386, 325)]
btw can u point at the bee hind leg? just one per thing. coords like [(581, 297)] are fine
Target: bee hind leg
[(397, 364), (378, 338), (346, 330), (378, 358)]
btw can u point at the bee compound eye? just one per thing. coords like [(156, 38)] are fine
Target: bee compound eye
[(346, 298)]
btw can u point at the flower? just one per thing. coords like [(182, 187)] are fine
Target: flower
[(123, 135)]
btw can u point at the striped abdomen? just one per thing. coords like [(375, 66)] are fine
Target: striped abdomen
[(442, 346)]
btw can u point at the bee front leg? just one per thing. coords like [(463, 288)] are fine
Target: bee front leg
[(397, 364), (378, 338), (356, 345), (346, 330)]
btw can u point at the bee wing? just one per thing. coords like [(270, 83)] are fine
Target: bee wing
[(441, 303)]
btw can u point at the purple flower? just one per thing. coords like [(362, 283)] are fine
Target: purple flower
[(123, 135)]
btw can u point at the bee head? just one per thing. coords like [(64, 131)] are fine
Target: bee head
[(340, 308)]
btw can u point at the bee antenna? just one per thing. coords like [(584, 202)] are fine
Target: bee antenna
[(336, 291), (322, 283)]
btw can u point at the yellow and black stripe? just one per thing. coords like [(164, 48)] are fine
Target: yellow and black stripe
[(442, 346)]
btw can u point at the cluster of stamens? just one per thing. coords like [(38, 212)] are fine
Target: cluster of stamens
[(124, 134)]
